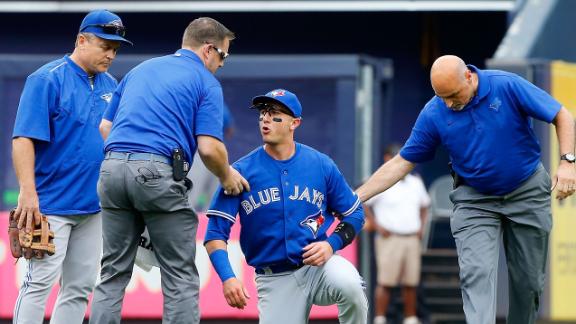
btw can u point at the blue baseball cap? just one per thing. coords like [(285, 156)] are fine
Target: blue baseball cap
[(104, 24), (280, 96)]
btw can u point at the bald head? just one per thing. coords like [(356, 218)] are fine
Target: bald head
[(447, 73), (452, 81)]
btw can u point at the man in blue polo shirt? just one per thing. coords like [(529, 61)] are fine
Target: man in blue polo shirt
[(161, 112), (57, 153), (483, 119)]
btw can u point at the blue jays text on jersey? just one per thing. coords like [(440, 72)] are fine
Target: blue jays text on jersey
[(290, 205), (268, 195)]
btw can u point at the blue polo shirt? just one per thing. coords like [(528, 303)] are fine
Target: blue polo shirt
[(491, 141), (164, 103), (61, 112)]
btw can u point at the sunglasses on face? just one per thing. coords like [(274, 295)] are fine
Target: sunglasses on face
[(223, 55), (110, 29), (265, 108)]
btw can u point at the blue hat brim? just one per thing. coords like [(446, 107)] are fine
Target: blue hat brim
[(113, 38)]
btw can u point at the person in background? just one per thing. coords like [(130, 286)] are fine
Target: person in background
[(397, 216)]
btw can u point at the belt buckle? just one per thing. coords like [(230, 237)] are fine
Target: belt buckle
[(267, 271)]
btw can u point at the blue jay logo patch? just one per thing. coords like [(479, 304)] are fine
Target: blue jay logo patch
[(106, 97), (314, 222), (495, 105)]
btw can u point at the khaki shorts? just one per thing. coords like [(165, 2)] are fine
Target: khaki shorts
[(398, 259)]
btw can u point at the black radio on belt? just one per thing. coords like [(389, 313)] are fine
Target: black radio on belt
[(179, 166), (458, 180)]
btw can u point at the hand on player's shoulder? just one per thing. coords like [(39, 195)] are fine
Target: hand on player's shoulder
[(234, 183)]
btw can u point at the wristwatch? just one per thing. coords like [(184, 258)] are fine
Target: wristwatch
[(569, 157)]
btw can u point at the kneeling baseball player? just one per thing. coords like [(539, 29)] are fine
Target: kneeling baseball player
[(284, 219)]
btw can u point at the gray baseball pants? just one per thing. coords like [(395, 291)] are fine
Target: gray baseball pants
[(287, 298), (135, 194), (78, 241), (523, 220)]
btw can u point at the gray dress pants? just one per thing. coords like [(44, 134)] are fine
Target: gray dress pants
[(523, 220), (135, 194)]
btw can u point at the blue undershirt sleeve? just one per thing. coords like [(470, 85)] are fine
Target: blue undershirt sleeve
[(221, 264), (222, 214)]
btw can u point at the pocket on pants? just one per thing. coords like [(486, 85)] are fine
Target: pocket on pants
[(155, 189)]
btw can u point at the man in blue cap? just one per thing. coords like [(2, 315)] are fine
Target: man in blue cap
[(285, 218), (57, 152)]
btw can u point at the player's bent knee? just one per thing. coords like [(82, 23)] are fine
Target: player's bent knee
[(338, 269), (355, 293), (352, 286), (354, 296), (344, 277)]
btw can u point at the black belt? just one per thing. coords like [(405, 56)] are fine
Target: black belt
[(278, 268)]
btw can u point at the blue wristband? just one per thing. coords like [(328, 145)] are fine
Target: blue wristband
[(221, 264), (335, 242)]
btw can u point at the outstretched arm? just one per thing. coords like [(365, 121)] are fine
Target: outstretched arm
[(385, 177), (215, 156)]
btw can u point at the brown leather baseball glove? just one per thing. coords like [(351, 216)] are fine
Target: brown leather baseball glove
[(30, 242)]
